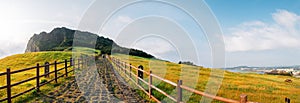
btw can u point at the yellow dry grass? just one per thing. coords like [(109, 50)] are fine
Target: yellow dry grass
[(20, 61), (259, 87)]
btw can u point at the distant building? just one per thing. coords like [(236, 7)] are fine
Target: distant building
[(286, 70)]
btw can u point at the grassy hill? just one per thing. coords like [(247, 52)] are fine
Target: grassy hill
[(20, 61), (259, 87)]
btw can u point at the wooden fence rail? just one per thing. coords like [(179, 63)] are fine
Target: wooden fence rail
[(179, 87), (37, 77)]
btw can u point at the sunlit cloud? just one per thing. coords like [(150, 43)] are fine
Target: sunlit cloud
[(155, 46), (258, 35)]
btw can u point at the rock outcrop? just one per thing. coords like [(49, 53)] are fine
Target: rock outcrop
[(60, 39)]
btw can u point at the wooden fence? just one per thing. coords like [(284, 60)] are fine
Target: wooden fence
[(127, 70), (37, 77)]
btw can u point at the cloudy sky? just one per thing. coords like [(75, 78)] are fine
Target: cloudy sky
[(255, 32)]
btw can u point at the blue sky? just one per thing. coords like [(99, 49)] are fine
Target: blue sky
[(256, 32), (233, 12), (273, 14)]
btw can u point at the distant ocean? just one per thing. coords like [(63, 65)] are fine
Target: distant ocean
[(244, 71)]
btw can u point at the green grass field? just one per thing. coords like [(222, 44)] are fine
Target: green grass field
[(83, 50), (20, 61), (259, 87)]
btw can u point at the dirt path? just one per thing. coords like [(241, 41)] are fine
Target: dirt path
[(97, 84)]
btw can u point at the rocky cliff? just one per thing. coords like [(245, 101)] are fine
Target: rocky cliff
[(60, 39)]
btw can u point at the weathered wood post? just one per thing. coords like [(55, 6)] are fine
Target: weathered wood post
[(86, 61), (118, 67), (287, 100), (78, 63), (137, 76), (179, 91), (122, 65), (71, 62), (125, 67), (130, 70), (8, 83), (119, 64), (37, 77), (66, 67), (243, 98), (46, 69), (82, 61), (140, 73), (150, 83), (55, 71)]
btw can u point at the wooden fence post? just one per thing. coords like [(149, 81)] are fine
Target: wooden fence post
[(119, 65), (82, 61), (125, 67), (243, 98), (130, 70), (140, 73), (37, 77), (66, 67), (71, 62), (117, 62), (46, 69), (8, 83), (55, 71), (86, 62), (150, 83), (179, 91), (287, 100), (137, 76)]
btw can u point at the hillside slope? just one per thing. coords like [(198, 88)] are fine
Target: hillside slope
[(60, 39), (259, 87), (20, 61)]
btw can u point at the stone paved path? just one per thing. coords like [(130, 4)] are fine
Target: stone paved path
[(121, 88), (97, 84)]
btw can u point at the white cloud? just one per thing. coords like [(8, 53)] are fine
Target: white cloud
[(258, 35), (124, 19), (20, 20), (115, 24), (154, 45), (11, 48), (285, 18)]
